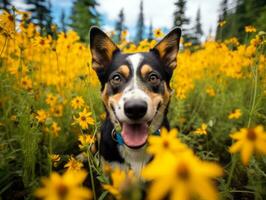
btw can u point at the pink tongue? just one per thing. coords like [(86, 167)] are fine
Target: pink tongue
[(134, 135)]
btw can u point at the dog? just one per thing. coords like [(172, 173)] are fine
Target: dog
[(135, 90)]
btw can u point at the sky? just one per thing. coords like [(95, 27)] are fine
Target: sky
[(159, 12)]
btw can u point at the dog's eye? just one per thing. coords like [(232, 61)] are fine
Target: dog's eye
[(116, 80), (154, 79)]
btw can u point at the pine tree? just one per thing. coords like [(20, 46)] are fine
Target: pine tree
[(223, 14), (150, 35), (199, 31), (5, 4), (49, 19), (63, 20), (180, 18), (224, 9), (120, 25), (84, 15), (140, 25), (41, 14)]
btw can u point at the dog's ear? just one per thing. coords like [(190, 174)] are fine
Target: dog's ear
[(168, 47), (102, 49)]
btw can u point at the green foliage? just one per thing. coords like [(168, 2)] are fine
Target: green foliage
[(84, 15), (246, 12)]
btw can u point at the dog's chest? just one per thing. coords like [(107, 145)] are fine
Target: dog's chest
[(136, 158)]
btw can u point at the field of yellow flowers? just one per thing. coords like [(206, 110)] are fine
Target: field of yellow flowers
[(51, 111)]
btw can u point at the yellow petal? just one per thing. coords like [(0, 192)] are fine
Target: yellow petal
[(246, 152), (206, 190), (180, 192), (159, 189), (236, 147)]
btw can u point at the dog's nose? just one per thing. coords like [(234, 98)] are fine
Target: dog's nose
[(135, 109)]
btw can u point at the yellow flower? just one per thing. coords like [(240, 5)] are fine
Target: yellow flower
[(84, 119), (222, 23), (73, 164), (42, 42), (26, 83), (250, 29), (65, 187), (57, 110), (13, 118), (158, 33), (55, 158), (188, 44), (121, 181), (86, 141), (249, 140), (77, 102), (103, 116), (7, 22), (51, 99), (233, 41), (41, 116), (235, 114), (210, 91), (182, 176), (55, 128), (168, 141), (202, 130)]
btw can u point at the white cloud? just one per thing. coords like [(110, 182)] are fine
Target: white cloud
[(161, 11)]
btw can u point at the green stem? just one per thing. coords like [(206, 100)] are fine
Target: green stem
[(232, 169), (251, 113), (50, 151), (92, 180)]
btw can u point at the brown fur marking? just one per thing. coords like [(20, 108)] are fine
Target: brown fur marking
[(145, 69), (124, 70)]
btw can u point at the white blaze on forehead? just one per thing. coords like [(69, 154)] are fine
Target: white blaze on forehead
[(135, 61)]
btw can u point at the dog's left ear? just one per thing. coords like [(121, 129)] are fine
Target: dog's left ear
[(168, 47), (102, 49)]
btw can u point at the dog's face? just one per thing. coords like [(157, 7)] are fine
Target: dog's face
[(135, 87)]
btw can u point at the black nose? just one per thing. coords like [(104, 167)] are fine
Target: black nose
[(135, 109)]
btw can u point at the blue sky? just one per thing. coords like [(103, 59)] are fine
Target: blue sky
[(160, 12)]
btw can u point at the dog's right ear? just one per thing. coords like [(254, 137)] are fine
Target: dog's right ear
[(102, 49)]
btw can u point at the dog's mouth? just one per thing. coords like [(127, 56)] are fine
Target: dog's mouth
[(135, 135)]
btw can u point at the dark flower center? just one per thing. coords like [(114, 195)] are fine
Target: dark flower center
[(42, 42), (62, 191), (183, 172), (165, 144), (10, 18), (251, 135)]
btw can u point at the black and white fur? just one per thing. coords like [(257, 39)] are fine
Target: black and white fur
[(139, 79)]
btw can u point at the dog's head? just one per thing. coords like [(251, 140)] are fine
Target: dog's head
[(135, 87)]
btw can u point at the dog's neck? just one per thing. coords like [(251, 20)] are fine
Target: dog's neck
[(113, 152)]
